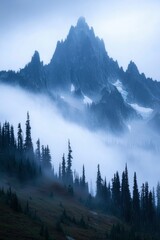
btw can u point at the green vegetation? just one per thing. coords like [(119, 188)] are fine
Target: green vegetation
[(36, 203)]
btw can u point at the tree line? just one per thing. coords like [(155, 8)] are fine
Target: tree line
[(18, 158), (139, 208), (17, 155)]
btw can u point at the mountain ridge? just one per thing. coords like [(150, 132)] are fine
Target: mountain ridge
[(82, 61)]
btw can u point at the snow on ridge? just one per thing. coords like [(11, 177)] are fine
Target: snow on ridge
[(120, 88), (72, 88), (87, 100), (143, 111)]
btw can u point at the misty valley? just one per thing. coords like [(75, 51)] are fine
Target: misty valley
[(79, 146)]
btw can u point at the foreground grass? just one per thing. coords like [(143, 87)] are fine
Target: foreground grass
[(51, 214)]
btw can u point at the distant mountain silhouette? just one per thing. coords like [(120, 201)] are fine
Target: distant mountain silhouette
[(81, 68), (83, 61)]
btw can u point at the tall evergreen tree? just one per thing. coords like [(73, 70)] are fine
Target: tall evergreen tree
[(105, 191), (116, 193), (83, 183), (46, 158), (98, 183), (158, 199), (77, 182), (142, 202), (20, 138), (126, 196), (150, 207), (60, 172), (6, 135), (28, 139), (12, 138), (136, 201), (4, 144), (106, 196), (154, 198), (63, 168), (69, 174), (146, 200), (83, 179), (38, 151), (42, 153)]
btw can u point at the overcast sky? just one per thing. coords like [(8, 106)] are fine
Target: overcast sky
[(129, 28)]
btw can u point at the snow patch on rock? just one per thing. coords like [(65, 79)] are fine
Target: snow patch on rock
[(143, 111), (120, 88), (87, 100), (72, 88)]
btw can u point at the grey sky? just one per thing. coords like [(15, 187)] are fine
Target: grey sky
[(129, 28)]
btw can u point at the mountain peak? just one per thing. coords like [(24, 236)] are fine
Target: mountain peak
[(80, 30), (132, 68), (82, 26), (35, 57), (82, 22), (81, 59)]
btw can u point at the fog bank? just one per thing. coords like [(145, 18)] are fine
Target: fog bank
[(139, 148)]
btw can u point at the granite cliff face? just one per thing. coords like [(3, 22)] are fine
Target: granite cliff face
[(87, 85)]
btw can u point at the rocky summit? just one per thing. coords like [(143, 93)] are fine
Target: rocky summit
[(81, 72)]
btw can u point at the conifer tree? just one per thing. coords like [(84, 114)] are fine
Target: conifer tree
[(154, 198), (142, 202), (69, 174), (83, 179), (77, 181), (63, 168), (20, 138), (99, 183), (60, 172), (150, 207), (158, 199), (105, 191), (83, 183), (46, 158), (108, 201), (136, 200), (28, 139), (116, 193), (146, 199), (38, 151), (125, 196), (12, 138), (42, 153), (4, 144), (6, 135)]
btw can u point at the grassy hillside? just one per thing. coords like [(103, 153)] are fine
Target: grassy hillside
[(49, 212)]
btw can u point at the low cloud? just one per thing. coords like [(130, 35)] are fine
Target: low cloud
[(139, 148)]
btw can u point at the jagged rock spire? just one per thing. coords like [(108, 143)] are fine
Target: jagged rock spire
[(132, 68), (81, 23), (35, 57)]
